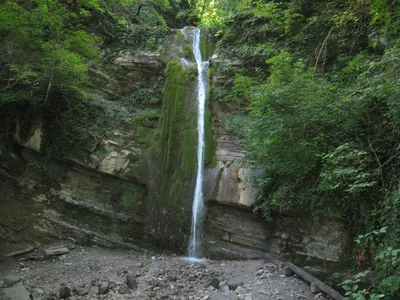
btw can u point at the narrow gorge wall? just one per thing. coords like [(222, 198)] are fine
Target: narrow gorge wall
[(129, 180), (115, 170)]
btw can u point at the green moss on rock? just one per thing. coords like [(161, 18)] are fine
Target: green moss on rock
[(210, 147), (179, 38), (188, 52), (172, 115), (189, 152), (206, 47)]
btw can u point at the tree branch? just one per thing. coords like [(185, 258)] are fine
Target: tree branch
[(377, 160), (324, 43)]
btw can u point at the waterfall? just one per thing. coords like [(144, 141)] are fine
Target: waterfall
[(196, 234)]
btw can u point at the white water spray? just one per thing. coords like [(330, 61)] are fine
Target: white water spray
[(196, 234)]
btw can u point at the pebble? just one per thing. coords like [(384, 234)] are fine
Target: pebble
[(123, 289), (214, 283), (104, 288)]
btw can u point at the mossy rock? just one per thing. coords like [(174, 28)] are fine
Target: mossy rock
[(188, 52), (172, 115)]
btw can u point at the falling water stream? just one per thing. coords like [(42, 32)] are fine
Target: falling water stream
[(196, 234)]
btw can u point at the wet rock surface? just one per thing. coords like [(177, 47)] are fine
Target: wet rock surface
[(94, 273)]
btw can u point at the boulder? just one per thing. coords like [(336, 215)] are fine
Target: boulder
[(234, 283), (94, 290), (10, 280), (123, 289), (131, 281), (104, 288), (82, 291), (314, 288), (240, 290), (38, 294), (16, 292), (215, 283)]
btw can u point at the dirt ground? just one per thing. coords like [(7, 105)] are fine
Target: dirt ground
[(97, 273)]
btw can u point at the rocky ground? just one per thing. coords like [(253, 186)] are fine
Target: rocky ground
[(95, 273)]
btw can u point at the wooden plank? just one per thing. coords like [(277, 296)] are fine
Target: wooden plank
[(58, 250), (20, 252)]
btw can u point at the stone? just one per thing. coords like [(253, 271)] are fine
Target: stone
[(104, 288), (11, 280), (95, 282), (248, 297), (16, 292), (260, 272), (320, 296), (288, 272), (225, 289), (65, 292), (82, 291), (123, 289), (314, 288), (240, 290), (234, 283), (214, 282), (205, 297), (131, 281), (38, 294), (172, 278), (94, 290)]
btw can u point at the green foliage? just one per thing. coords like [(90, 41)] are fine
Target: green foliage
[(324, 125), (283, 127), (141, 98), (44, 47), (180, 38), (354, 292), (47, 45), (346, 169), (67, 130), (143, 37), (386, 275), (188, 52), (242, 90)]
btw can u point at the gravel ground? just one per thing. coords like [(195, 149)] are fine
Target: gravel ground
[(96, 273)]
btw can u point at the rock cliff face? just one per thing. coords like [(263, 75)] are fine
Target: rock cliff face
[(114, 189), (107, 188)]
